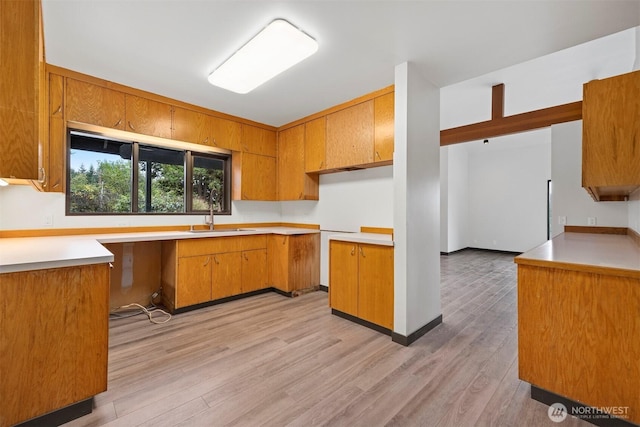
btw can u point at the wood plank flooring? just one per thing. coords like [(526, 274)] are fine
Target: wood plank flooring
[(275, 361)]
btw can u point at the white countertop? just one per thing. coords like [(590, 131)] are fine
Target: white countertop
[(39, 253), (597, 253), (370, 238)]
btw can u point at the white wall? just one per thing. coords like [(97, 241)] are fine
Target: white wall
[(569, 199), (22, 207), (416, 201), (348, 201), (454, 198), (508, 192)]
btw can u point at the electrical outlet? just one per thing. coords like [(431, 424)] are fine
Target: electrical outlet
[(591, 220), (47, 220), (562, 220)]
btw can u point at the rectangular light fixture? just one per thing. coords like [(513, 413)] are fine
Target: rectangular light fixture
[(276, 48), (3, 183)]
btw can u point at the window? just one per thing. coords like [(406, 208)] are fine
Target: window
[(103, 180)]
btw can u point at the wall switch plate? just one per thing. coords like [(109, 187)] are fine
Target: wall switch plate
[(591, 220), (47, 220), (562, 220)]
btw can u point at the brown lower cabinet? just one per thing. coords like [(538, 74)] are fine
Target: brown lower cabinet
[(578, 335), (196, 271), (361, 281), (293, 261), (53, 339)]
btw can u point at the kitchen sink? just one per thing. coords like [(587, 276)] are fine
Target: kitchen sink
[(219, 230)]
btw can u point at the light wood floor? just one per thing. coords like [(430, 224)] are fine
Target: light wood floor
[(275, 361)]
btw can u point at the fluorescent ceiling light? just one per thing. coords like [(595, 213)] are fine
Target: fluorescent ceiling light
[(276, 48), (3, 183)]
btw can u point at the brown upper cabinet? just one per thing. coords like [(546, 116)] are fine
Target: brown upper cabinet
[(56, 154), (96, 105), (147, 116), (293, 182), (190, 126), (225, 133), (350, 136), (611, 130), (258, 141), (383, 127), (22, 107), (254, 177), (200, 128), (315, 144)]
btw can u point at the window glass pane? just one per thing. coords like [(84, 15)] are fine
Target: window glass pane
[(208, 183), (160, 180), (99, 175)]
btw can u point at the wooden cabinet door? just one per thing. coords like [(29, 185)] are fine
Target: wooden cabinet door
[(304, 261), (254, 177), (227, 279), (293, 182), (258, 141), (51, 354), (57, 156), (225, 133), (148, 117), (20, 80), (254, 270), (278, 262), (314, 145), (343, 277), (190, 126), (96, 105), (375, 280), (194, 280), (350, 136), (610, 143), (383, 127)]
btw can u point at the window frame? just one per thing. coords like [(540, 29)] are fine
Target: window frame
[(136, 140)]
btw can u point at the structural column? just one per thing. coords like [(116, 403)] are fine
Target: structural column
[(416, 222)]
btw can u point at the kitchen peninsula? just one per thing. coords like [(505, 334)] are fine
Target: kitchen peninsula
[(578, 323), (54, 313)]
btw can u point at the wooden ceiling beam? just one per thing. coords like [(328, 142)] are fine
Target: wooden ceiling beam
[(500, 125), (497, 101)]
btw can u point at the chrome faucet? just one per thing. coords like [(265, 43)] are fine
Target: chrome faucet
[(210, 222)]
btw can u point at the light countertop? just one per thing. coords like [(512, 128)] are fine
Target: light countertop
[(597, 253), (370, 238), (38, 253)]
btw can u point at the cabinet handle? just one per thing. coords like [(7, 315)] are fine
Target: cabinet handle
[(378, 155), (216, 260), (353, 251), (57, 184), (213, 141), (300, 196), (284, 240), (57, 110), (206, 140), (362, 252), (246, 258), (321, 164), (117, 123), (131, 126), (43, 173), (207, 262)]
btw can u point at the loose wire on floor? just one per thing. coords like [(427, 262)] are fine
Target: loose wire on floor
[(143, 310)]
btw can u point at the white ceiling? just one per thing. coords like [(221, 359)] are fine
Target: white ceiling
[(170, 46)]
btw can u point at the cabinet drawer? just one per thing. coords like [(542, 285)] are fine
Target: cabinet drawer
[(214, 245)]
